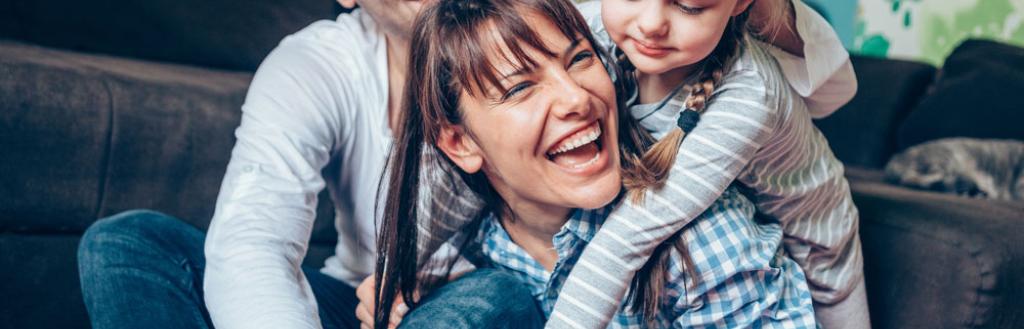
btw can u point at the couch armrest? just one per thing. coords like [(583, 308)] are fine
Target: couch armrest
[(940, 261)]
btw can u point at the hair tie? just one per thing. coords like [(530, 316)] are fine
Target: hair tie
[(688, 119)]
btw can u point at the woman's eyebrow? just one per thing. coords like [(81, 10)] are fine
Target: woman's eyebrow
[(526, 69), (572, 45)]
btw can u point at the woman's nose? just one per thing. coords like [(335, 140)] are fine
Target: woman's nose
[(569, 98), (651, 20)]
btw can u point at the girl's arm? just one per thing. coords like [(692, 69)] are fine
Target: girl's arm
[(738, 120), (813, 59)]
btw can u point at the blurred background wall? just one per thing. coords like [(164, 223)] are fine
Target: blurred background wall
[(925, 30)]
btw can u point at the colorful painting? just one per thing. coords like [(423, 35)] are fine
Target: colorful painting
[(925, 30)]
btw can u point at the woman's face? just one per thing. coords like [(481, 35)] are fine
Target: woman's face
[(550, 142)]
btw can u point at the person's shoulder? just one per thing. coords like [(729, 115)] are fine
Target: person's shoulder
[(350, 34), (346, 53), (348, 45), (756, 62)]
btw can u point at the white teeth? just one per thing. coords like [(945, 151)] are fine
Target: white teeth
[(582, 139)]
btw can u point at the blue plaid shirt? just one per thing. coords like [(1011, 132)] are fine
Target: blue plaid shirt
[(745, 279)]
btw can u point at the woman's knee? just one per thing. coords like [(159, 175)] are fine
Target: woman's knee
[(507, 296)]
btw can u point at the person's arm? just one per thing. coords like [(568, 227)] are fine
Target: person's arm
[(265, 211), (811, 56), (738, 120)]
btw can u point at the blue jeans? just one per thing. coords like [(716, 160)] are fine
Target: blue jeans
[(145, 269)]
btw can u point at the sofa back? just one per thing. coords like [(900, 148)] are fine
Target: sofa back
[(900, 104), (232, 34), (863, 132)]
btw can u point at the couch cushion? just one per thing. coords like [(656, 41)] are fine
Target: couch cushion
[(225, 34), (978, 94), (933, 260), (54, 126), (863, 132), (92, 136)]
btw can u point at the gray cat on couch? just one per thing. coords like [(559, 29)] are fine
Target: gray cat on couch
[(980, 168)]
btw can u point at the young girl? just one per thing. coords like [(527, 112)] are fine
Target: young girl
[(513, 94), (694, 61)]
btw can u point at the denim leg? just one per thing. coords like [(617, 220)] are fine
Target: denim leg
[(485, 298), (336, 301), (143, 269)]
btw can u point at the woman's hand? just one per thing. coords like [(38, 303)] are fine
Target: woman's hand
[(367, 302)]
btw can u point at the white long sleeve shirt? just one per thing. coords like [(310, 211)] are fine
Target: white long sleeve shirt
[(321, 97)]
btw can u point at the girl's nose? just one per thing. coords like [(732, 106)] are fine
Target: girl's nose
[(652, 21)]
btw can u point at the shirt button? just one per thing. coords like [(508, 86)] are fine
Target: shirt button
[(248, 169)]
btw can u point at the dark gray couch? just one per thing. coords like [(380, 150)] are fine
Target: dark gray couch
[(113, 105)]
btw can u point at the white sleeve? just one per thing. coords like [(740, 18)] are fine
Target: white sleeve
[(824, 76), (267, 203)]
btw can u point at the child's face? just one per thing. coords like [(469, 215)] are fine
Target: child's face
[(668, 36)]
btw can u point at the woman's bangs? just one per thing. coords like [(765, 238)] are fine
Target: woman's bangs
[(498, 40)]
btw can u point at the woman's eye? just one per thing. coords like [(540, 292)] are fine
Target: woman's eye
[(515, 90), (582, 56), (687, 9)]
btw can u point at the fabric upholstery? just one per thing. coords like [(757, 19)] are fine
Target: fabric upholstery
[(863, 132), (940, 261), (54, 118), (96, 135), (977, 95), (233, 34)]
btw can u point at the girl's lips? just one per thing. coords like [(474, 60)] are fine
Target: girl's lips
[(650, 50)]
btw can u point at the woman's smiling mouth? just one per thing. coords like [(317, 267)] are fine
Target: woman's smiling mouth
[(579, 150)]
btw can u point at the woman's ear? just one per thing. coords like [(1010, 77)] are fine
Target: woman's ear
[(460, 148), (741, 5), (347, 4)]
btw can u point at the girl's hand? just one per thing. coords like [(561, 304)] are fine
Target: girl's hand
[(775, 22), (365, 309)]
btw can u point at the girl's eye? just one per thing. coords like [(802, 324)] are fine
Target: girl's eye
[(515, 90), (687, 9)]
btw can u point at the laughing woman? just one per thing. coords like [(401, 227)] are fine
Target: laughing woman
[(514, 97)]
